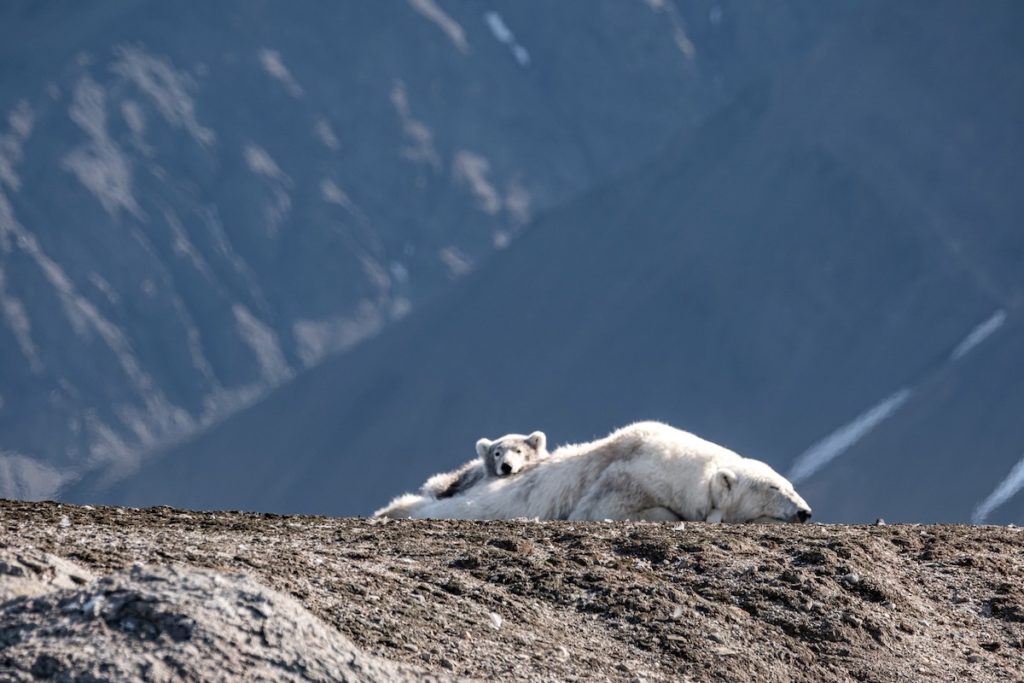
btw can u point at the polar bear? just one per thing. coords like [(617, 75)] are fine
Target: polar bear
[(646, 471), (503, 457)]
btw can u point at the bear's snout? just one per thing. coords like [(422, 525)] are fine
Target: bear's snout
[(506, 468), (803, 515)]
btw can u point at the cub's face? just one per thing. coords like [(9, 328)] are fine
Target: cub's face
[(511, 453)]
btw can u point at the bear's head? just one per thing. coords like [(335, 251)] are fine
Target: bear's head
[(751, 491), (511, 453)]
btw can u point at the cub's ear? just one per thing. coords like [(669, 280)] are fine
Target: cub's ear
[(482, 446), (537, 441), (722, 483)]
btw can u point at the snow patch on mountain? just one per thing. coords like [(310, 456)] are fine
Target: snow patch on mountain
[(223, 247), (676, 25), (100, 164), (24, 478), (271, 62), (430, 10), (503, 34), (333, 194), (420, 138), (1007, 489), (135, 118), (19, 122), (456, 262), (169, 89), (518, 202), (81, 313), (183, 246), (472, 170), (325, 134), (979, 334), (279, 204), (841, 440), (14, 313), (263, 342), (317, 338)]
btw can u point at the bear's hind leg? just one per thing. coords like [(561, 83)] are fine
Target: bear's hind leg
[(615, 495)]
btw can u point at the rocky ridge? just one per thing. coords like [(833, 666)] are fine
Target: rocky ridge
[(513, 600)]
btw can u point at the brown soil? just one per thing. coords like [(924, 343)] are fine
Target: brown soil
[(598, 601)]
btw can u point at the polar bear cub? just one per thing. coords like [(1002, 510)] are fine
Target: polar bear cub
[(503, 457)]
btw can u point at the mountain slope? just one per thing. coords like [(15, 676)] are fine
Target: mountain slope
[(196, 203), (829, 237)]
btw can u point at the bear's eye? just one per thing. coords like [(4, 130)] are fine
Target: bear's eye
[(497, 454), (517, 451)]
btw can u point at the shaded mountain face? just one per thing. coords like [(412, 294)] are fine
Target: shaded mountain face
[(196, 203), (826, 274)]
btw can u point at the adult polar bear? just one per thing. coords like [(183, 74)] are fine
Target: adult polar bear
[(646, 471)]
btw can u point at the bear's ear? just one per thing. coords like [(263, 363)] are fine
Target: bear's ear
[(482, 446), (722, 484), (538, 441)]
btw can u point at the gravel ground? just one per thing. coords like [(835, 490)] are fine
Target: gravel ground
[(569, 601)]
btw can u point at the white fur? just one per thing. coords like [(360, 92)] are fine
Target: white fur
[(647, 470), (503, 457), (511, 453)]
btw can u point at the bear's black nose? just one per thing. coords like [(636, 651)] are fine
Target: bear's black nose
[(506, 468), (803, 515)]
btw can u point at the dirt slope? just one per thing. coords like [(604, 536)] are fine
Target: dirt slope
[(589, 601)]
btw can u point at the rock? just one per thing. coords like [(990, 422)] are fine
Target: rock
[(31, 572), (202, 625)]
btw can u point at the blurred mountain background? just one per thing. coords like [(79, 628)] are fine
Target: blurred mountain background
[(297, 257)]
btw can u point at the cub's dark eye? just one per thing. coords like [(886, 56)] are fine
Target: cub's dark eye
[(497, 454), (517, 451)]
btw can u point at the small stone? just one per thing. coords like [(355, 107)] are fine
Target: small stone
[(716, 637), (65, 522), (880, 521), (852, 620), (448, 664), (852, 577), (496, 621), (973, 659)]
